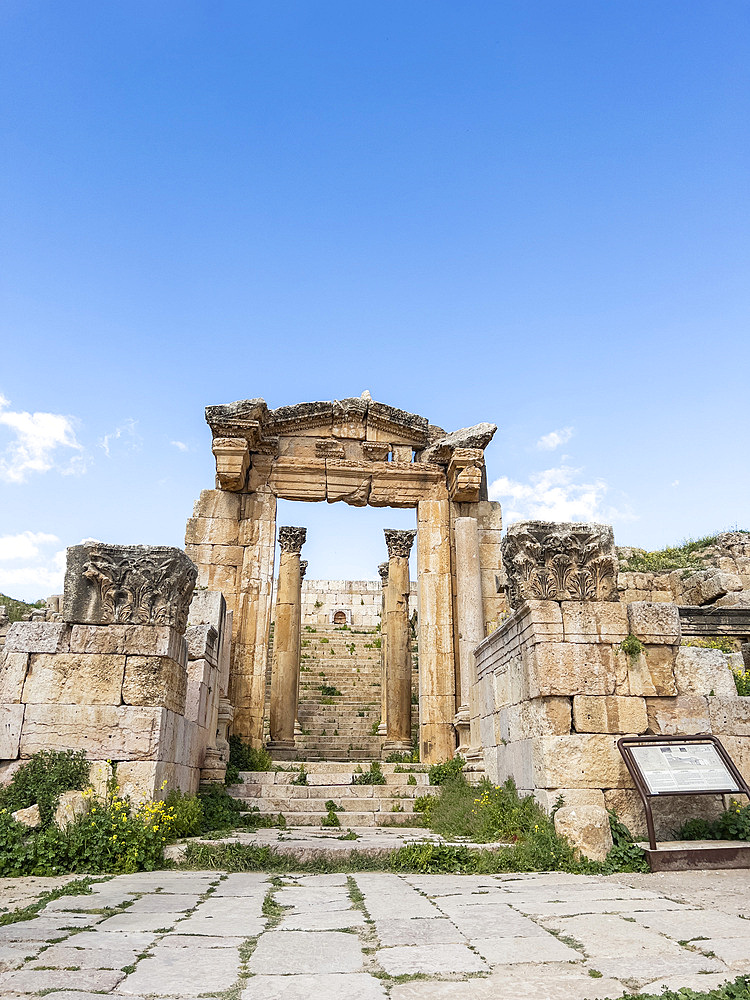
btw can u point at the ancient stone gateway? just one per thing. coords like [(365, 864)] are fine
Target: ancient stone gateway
[(360, 452)]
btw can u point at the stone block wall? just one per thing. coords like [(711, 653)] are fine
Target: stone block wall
[(145, 697), (360, 600), (556, 691)]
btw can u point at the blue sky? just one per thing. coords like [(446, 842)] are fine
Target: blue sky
[(534, 213)]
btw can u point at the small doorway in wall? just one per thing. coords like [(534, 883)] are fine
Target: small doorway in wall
[(339, 618)]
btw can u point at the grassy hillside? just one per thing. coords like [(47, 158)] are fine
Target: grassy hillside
[(17, 609)]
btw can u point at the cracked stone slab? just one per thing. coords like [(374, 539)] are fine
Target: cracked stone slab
[(167, 971), (227, 915), (32, 980), (326, 920), (318, 899), (517, 982), (163, 902), (515, 950), (733, 951), (688, 924), (14, 954), (431, 959), (65, 956), (343, 986), (128, 921), (199, 941), (421, 930), (34, 930), (103, 938), (290, 952), (243, 884)]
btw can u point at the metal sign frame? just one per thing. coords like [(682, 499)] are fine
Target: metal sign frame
[(624, 745)]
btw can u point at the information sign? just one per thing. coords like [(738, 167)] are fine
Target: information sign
[(683, 767)]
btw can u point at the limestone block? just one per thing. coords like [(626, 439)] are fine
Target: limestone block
[(538, 717), (348, 481), (609, 714), (38, 637), (105, 732), (137, 640), (299, 478), (587, 829), (706, 585), (549, 797), (738, 748), (29, 816), (11, 720), (212, 531), (203, 643), (13, 667), (650, 674), (541, 621), (569, 668), (217, 503), (578, 761), (141, 780), (730, 716), (73, 679), (207, 607), (222, 578), (157, 681), (685, 715), (654, 622), (516, 761), (703, 671), (594, 621), (232, 461), (226, 555), (70, 806)]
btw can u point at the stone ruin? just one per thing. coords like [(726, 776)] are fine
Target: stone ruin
[(154, 654)]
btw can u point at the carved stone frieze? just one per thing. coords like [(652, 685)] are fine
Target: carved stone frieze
[(327, 448), (399, 542), (128, 584), (376, 451), (291, 539), (465, 471), (549, 561)]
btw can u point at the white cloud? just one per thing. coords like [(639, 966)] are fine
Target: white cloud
[(676, 482), (34, 446), (126, 433), (180, 445), (42, 572), (26, 545), (554, 495), (548, 442)]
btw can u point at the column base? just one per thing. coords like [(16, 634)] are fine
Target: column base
[(397, 746), (279, 745), (297, 728), (462, 724), (382, 729), (474, 760)]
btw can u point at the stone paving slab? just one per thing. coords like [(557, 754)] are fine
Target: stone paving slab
[(16, 893), (66, 956), (433, 959), (286, 952), (32, 980), (167, 971), (511, 951), (128, 921), (324, 920), (165, 902), (399, 931), (688, 924), (351, 986)]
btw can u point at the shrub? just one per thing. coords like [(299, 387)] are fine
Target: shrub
[(187, 813), (741, 682), (625, 855), (732, 824), (247, 758), (632, 646), (329, 690), (43, 778), (683, 556), (449, 769), (374, 776)]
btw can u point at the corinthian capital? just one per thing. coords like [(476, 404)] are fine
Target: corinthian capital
[(383, 571), (292, 539), (399, 542), (302, 568)]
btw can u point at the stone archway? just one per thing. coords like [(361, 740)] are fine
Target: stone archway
[(360, 452)]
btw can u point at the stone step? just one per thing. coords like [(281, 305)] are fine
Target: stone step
[(326, 786), (353, 819), (336, 767)]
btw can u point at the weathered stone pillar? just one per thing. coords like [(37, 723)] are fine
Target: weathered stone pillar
[(286, 643), (437, 681), (470, 625), (302, 571), (398, 644), (383, 571)]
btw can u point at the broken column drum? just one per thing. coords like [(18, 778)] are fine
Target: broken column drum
[(286, 644), (398, 645)]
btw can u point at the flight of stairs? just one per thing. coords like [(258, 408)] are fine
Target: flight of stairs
[(392, 804), (339, 705)]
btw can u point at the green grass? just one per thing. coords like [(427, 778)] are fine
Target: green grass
[(738, 989), (685, 555)]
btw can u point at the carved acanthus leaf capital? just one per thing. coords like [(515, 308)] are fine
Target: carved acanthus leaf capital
[(291, 539), (383, 571), (302, 568), (399, 542), (128, 584), (551, 561)]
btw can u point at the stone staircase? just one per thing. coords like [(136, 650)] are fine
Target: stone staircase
[(339, 704), (392, 804)]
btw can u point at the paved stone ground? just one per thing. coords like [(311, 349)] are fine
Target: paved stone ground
[(372, 936)]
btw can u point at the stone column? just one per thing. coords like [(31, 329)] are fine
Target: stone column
[(286, 643), (302, 571), (398, 646), (437, 681), (383, 571), (470, 625)]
